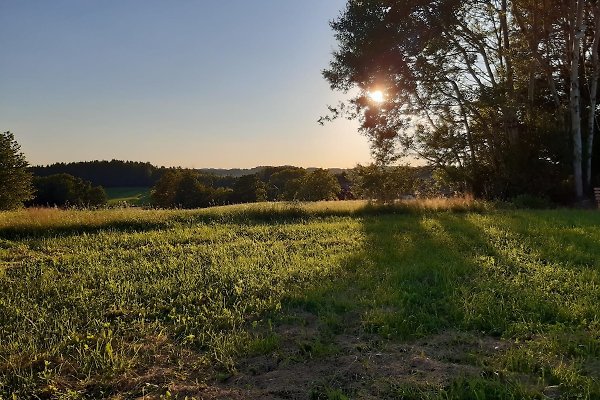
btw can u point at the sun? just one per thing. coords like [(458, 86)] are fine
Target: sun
[(377, 96)]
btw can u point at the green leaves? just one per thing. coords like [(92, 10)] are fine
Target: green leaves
[(15, 179)]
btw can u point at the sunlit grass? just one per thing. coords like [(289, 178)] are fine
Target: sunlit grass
[(52, 218), (91, 301), (137, 196)]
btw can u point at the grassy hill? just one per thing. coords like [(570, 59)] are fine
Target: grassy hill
[(425, 300), (135, 196)]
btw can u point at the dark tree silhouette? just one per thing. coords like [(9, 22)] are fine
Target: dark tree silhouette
[(67, 190), (15, 179)]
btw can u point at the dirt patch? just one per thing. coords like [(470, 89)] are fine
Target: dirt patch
[(367, 367), (363, 367), (311, 360)]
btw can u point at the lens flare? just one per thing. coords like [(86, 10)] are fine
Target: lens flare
[(377, 96)]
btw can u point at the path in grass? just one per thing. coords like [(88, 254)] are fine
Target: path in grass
[(413, 305)]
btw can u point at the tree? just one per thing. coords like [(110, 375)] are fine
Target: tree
[(249, 189), (488, 91), (67, 190), (163, 193), (114, 173), (384, 184), (183, 188), (318, 185), (286, 183), (15, 179), (190, 193)]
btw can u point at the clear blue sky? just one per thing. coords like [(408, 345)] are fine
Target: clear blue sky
[(193, 83)]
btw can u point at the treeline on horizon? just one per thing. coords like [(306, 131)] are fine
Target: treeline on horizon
[(113, 173), (118, 173), (82, 183)]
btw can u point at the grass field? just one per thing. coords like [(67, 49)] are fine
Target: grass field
[(426, 300), (135, 196)]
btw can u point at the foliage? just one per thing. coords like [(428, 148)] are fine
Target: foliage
[(286, 183), (90, 301), (114, 173), (249, 189), (64, 190), (318, 185), (385, 184), (488, 91), (183, 189), (15, 180)]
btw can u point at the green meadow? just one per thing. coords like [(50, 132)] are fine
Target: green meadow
[(338, 300), (134, 196)]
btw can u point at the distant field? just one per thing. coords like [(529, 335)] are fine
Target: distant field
[(136, 196), (336, 300)]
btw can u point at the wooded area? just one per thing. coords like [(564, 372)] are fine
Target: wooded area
[(79, 184), (500, 95)]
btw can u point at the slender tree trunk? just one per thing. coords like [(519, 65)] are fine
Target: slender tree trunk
[(593, 94), (534, 43), (575, 95), (465, 121), (509, 111)]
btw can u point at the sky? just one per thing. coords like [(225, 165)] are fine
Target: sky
[(191, 83)]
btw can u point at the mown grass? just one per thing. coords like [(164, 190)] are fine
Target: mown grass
[(135, 196), (121, 302)]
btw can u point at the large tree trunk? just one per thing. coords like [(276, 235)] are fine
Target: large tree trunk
[(575, 95), (593, 94)]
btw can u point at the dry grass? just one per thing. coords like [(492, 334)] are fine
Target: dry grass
[(33, 219)]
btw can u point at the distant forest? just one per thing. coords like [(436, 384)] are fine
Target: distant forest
[(113, 173), (82, 183), (117, 173)]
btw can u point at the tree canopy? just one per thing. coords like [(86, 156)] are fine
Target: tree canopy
[(489, 91), (318, 185), (66, 190), (15, 179), (114, 173), (191, 189)]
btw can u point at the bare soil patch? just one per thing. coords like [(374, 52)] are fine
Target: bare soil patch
[(362, 366)]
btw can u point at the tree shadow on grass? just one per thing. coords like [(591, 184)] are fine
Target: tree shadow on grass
[(523, 280), (75, 229), (537, 297), (568, 237), (387, 319), (420, 304), (56, 229), (429, 296), (412, 277), (409, 278)]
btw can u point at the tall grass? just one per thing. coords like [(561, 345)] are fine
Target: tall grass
[(31, 219)]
